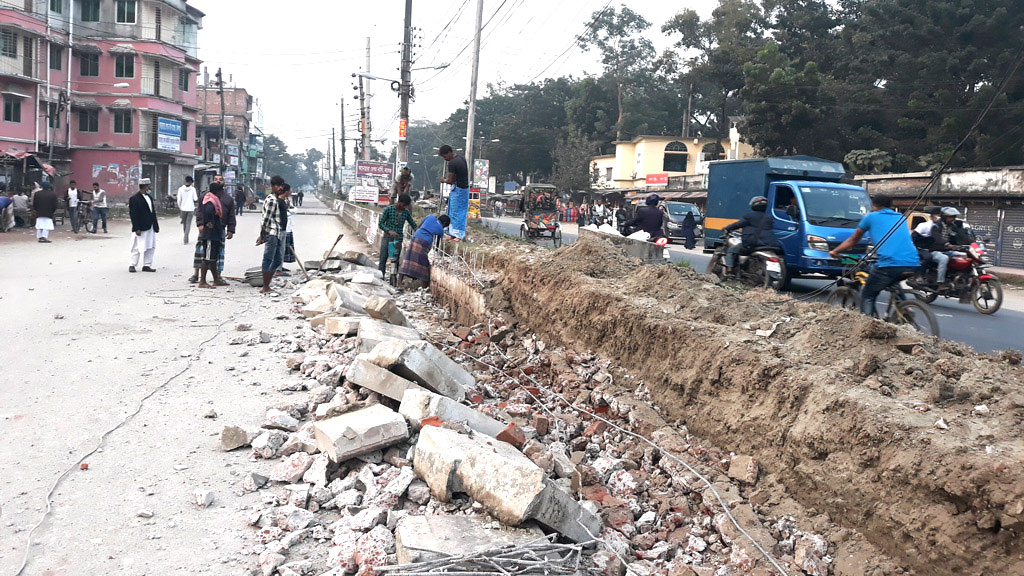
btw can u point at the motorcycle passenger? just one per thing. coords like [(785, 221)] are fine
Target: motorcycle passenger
[(621, 217), (649, 218), (954, 231), (757, 228), (896, 254), (931, 243)]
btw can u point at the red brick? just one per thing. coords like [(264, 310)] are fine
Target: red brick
[(528, 370), (476, 398), (513, 435), (594, 428), (462, 332), (432, 421), (541, 423)]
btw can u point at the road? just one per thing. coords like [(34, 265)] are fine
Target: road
[(84, 343), (959, 322)]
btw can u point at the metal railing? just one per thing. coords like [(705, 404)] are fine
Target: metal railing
[(165, 88)]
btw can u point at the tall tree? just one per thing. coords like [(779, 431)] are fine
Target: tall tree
[(310, 161), (280, 162)]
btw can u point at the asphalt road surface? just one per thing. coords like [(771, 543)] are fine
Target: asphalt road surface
[(960, 322)]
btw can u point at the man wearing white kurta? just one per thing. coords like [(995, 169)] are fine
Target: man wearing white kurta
[(144, 227), (188, 201)]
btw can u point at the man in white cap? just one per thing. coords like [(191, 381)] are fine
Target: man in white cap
[(144, 227)]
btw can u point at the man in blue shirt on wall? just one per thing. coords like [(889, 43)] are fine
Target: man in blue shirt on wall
[(896, 253)]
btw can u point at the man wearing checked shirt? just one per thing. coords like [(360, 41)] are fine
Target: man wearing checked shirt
[(391, 223)]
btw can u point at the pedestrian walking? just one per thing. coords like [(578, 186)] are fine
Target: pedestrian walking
[(145, 226), (392, 224), (188, 198), (458, 198), (99, 206), (689, 236), (415, 262), (44, 206), (301, 195), (239, 199), (211, 234), (272, 226), (227, 232), (72, 198)]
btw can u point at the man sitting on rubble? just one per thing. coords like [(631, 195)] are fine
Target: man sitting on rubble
[(415, 263)]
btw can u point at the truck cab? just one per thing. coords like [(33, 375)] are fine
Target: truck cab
[(813, 211)]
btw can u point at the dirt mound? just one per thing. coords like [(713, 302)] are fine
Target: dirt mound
[(847, 420)]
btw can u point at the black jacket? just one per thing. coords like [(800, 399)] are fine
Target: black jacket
[(142, 217), (45, 203), (649, 219), (928, 242), (757, 229)]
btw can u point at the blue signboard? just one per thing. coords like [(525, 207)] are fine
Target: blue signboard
[(168, 134)]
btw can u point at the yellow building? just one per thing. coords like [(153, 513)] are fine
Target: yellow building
[(651, 160)]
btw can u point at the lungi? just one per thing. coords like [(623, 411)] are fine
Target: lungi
[(200, 255), (43, 227), (415, 262), (458, 210), (289, 251), (144, 243)]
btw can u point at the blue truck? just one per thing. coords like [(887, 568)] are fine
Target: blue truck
[(813, 210)]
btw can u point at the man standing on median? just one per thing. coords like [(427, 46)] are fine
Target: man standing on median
[(391, 224), (272, 227), (144, 227), (458, 198), (188, 198)]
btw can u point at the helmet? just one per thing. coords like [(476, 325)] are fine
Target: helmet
[(950, 211), (759, 203), (652, 200), (934, 210)]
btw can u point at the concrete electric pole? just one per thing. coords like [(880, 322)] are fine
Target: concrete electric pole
[(471, 120), (334, 158), (223, 129), (406, 89), (368, 96), (343, 161)]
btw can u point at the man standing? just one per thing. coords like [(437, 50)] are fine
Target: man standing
[(458, 198), (272, 226), (99, 205), (226, 228), (44, 205), (402, 184), (239, 200), (210, 217), (188, 198), (391, 224), (144, 227), (73, 206)]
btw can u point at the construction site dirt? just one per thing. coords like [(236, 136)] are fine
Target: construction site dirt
[(876, 434)]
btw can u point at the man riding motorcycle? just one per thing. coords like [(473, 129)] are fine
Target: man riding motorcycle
[(757, 230), (649, 218), (931, 243)]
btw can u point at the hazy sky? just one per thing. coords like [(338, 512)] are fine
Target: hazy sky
[(298, 57)]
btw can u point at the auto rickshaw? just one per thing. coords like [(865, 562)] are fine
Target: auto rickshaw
[(540, 213)]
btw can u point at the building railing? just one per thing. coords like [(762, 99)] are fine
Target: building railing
[(165, 88), (24, 66)]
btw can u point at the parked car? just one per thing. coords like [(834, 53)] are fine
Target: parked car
[(675, 212)]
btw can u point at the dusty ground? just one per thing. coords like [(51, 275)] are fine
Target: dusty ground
[(67, 380)]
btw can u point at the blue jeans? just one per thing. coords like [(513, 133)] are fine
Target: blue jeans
[(730, 254), (878, 280), (98, 213), (272, 253)]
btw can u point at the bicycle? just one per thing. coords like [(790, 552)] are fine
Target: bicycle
[(903, 307), (85, 219)]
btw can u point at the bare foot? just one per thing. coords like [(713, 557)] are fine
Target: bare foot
[(205, 285), (266, 291)]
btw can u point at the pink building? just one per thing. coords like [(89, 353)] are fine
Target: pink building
[(104, 90)]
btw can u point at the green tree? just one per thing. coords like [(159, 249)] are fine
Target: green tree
[(280, 162), (572, 166), (310, 161)]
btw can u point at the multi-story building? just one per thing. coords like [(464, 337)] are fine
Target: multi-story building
[(241, 154), (104, 90)]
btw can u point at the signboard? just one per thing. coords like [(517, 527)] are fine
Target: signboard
[(233, 161), (363, 194), (348, 177), (511, 186), (229, 175), (403, 128), (259, 167), (255, 144), (370, 168), (168, 135), (481, 172), (216, 158), (657, 179), (233, 150)]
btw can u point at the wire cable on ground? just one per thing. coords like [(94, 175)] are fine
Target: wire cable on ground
[(611, 424), (118, 426)]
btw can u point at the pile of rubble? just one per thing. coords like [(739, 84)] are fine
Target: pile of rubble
[(401, 455)]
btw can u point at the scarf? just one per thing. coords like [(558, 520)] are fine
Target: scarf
[(211, 198)]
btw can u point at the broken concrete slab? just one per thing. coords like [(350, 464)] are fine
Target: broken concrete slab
[(359, 432), (292, 468), (426, 538), (362, 372), (320, 305), (423, 363), (419, 405), (500, 477), (373, 332), (365, 278), (559, 511), (342, 325), (280, 420), (232, 437), (321, 320), (439, 453), (356, 257), (386, 310), (744, 469), (343, 297)]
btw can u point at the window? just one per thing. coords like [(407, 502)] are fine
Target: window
[(57, 6), (124, 66), (8, 43), (90, 10), (675, 157), (56, 57), (89, 65), (123, 122), (89, 121), (12, 109), (126, 11), (184, 130), (53, 116), (183, 76), (608, 174)]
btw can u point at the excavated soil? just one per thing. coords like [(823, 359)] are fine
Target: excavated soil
[(838, 408)]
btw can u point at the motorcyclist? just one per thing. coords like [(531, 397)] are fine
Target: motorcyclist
[(600, 213), (757, 230), (931, 242), (621, 217), (649, 218), (954, 232)]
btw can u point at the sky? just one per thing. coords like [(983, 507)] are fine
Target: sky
[(298, 62)]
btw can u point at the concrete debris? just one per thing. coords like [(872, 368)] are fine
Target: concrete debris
[(318, 306), (300, 441), (267, 444), (365, 278), (292, 518), (280, 420), (344, 326), (359, 432), (144, 513), (253, 481), (269, 562), (421, 362), (744, 469), (941, 424), (366, 374), (419, 405), (811, 555), (425, 538), (292, 468), (343, 297), (372, 550), (357, 258), (232, 437), (372, 332), (201, 497), (513, 435), (386, 310), (319, 471)]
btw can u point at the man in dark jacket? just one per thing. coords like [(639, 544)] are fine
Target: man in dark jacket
[(649, 218), (227, 232), (142, 211), (758, 230), (44, 206)]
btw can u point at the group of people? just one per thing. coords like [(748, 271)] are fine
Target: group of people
[(937, 239), (590, 213), (40, 207), (415, 263)]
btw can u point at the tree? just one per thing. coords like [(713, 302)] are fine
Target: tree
[(625, 53), (572, 166), (310, 161), (280, 162)]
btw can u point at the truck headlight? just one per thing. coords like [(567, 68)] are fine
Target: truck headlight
[(817, 243)]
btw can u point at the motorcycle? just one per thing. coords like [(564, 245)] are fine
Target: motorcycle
[(968, 280), (762, 266)]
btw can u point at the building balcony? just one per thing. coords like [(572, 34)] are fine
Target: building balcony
[(163, 88), (24, 67)]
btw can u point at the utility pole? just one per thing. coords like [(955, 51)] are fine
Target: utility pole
[(343, 160), (334, 158), (223, 129), (471, 120), (364, 121), (402, 157), (369, 96), (689, 105)]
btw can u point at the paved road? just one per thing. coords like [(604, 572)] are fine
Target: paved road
[(84, 342), (1004, 329)]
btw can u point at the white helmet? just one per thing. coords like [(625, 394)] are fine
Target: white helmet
[(950, 211)]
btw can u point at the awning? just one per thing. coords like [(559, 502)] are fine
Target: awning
[(86, 48), (123, 49), (120, 104), (9, 92), (85, 103), (32, 160)]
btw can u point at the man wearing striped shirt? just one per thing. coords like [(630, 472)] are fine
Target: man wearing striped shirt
[(391, 223), (272, 227)]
